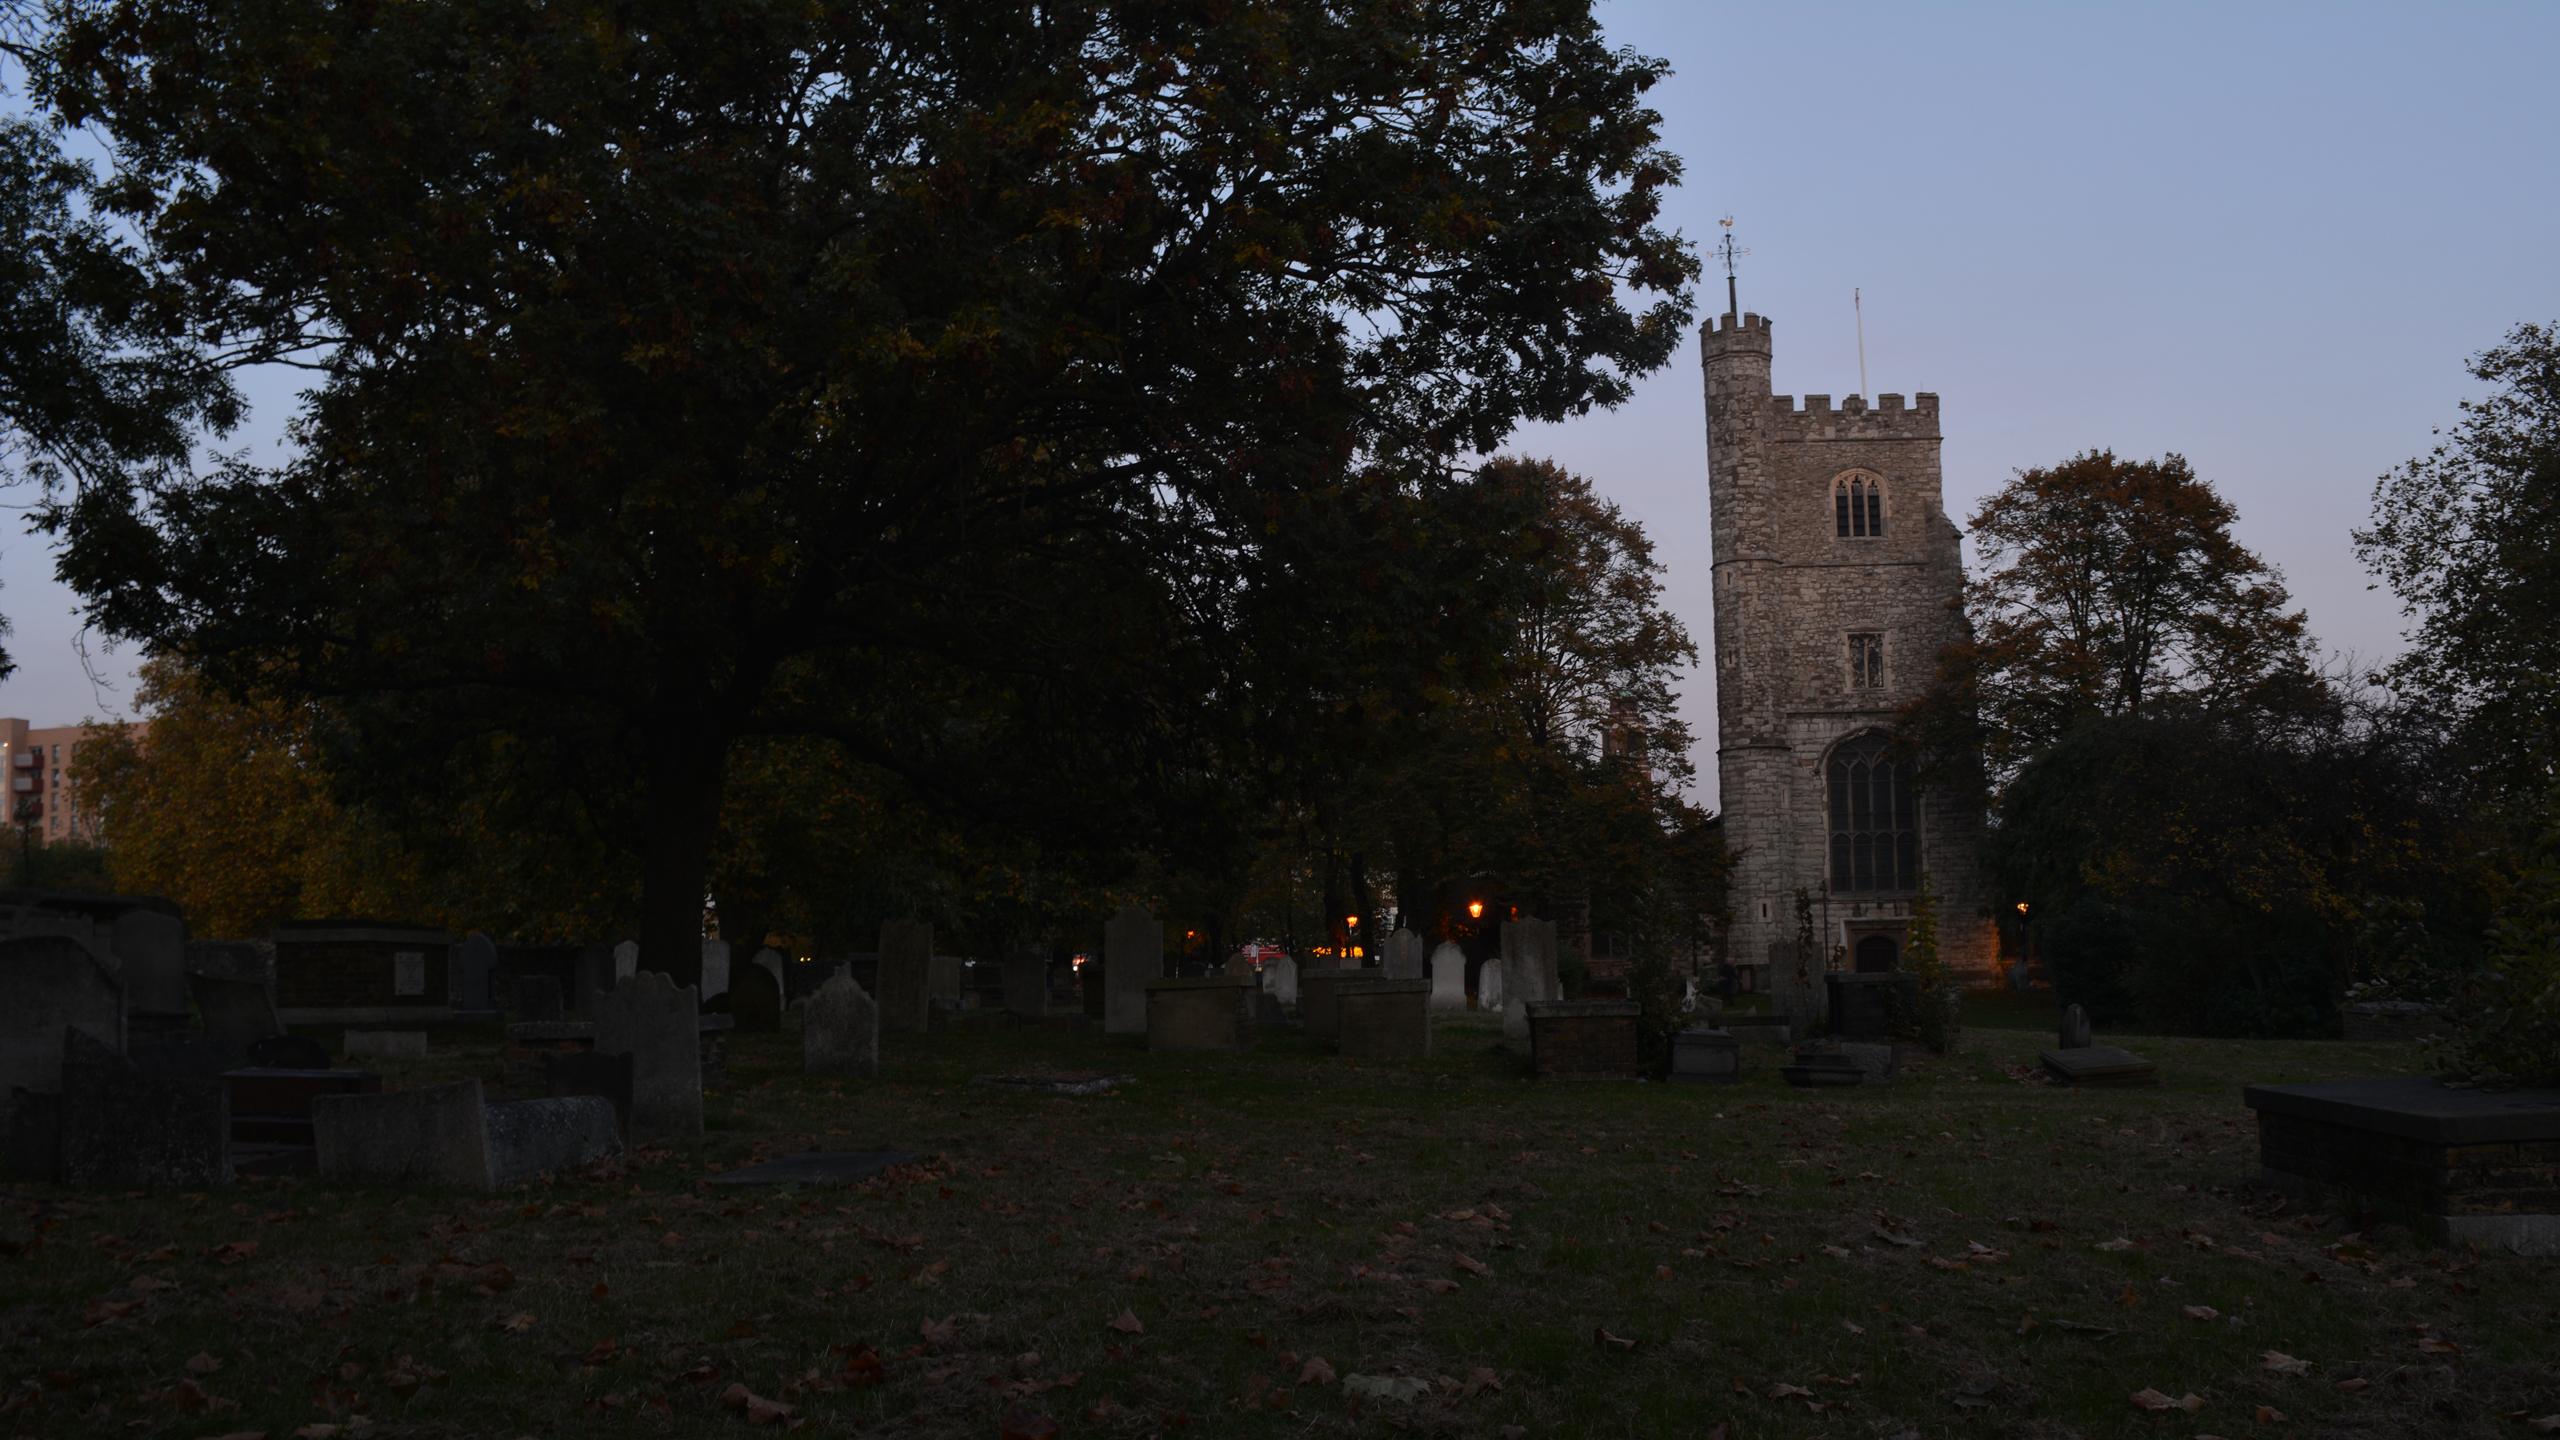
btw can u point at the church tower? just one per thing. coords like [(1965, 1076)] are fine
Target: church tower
[(1836, 573)]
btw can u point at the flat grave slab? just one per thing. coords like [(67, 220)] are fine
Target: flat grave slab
[(2100, 1065), (1064, 1083), (2467, 1167), (818, 1167)]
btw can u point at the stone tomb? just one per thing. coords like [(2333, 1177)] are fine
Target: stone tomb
[(658, 1024), (1582, 1039), (1317, 990), (906, 974), (357, 972), (126, 1126), (2466, 1167), (840, 1031), (2099, 1065), (1210, 1013), (1448, 978), (1132, 956), (50, 984), (447, 1136), (1383, 1018), (237, 1014), (1702, 1056)]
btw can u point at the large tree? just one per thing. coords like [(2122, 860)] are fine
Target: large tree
[(2110, 587), (2468, 536), (928, 376)]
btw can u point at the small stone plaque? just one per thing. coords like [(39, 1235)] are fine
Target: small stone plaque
[(2100, 1065), (818, 1167), (408, 972)]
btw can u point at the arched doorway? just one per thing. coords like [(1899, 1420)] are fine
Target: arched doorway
[(1877, 953)]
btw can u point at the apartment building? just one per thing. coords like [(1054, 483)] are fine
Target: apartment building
[(37, 762)]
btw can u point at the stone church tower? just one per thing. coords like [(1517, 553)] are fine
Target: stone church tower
[(1835, 572)]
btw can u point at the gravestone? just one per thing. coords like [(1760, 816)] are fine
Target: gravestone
[(1383, 1019), (151, 956), (626, 960), (755, 998), (1132, 956), (2075, 1028), (946, 980), (1797, 997), (1528, 972), (471, 973), (125, 1126), (244, 960), (1448, 978), (1489, 985), (840, 1031), (1404, 956), (528, 1138), (715, 968), (584, 1072), (435, 1135), (1026, 982), (591, 976), (1703, 1056), (1280, 978), (538, 1000), (772, 963), (1195, 1014), (237, 1013), (1240, 967), (906, 975), (658, 1023), (50, 984)]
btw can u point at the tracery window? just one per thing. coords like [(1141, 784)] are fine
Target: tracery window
[(1875, 827), (1857, 506)]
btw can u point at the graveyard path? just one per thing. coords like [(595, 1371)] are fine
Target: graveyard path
[(1285, 1243)]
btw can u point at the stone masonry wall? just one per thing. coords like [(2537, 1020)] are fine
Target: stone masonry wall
[(1789, 590)]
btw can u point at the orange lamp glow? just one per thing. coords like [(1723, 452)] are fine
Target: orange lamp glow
[(2022, 907), (1351, 922), (1475, 909)]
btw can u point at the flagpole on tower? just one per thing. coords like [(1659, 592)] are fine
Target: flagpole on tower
[(1858, 304), (1729, 253)]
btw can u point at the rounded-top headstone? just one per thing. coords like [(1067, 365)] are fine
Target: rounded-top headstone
[(2075, 1028)]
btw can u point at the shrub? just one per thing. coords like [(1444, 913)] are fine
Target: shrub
[(2506, 1029)]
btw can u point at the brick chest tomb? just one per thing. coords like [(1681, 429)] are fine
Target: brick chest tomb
[(1582, 1039), (2466, 1166)]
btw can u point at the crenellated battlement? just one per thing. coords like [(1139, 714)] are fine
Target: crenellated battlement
[(1853, 416), (1735, 334)]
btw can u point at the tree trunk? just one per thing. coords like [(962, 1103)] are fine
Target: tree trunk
[(687, 767)]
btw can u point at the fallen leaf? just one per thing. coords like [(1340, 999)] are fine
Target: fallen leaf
[(518, 1323), (2430, 1345), (1315, 1372), (2270, 1415), (201, 1363), (938, 1332), (757, 1409), (2201, 1312), (2150, 1399), (1480, 1379), (1470, 1264), (2118, 1243), (1128, 1323), (2353, 1384), (2548, 1424), (1607, 1341), (1438, 1286), (2283, 1364), (235, 1252), (1784, 1391)]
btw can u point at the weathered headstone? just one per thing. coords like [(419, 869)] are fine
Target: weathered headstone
[(1240, 967), (755, 998), (125, 1126), (591, 976), (840, 1031), (1404, 956), (947, 981), (538, 1000), (1489, 985), (1026, 982), (49, 984), (1383, 1019), (435, 1135), (527, 1138), (1528, 972), (471, 972), (715, 968), (906, 975), (658, 1023), (1132, 956), (2075, 1028), (1797, 990), (1448, 977), (1280, 977), (237, 1013), (151, 956), (626, 960)]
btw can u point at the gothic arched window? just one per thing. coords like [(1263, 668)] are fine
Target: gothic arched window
[(1857, 506), (1875, 825)]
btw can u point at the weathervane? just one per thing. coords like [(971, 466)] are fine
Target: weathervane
[(1729, 252)]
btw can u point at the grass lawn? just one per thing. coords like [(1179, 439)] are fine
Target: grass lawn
[(1961, 1253)]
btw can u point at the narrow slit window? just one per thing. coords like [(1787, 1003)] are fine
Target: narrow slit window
[(1866, 661)]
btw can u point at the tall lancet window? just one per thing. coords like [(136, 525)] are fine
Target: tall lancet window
[(1875, 823), (1857, 506)]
